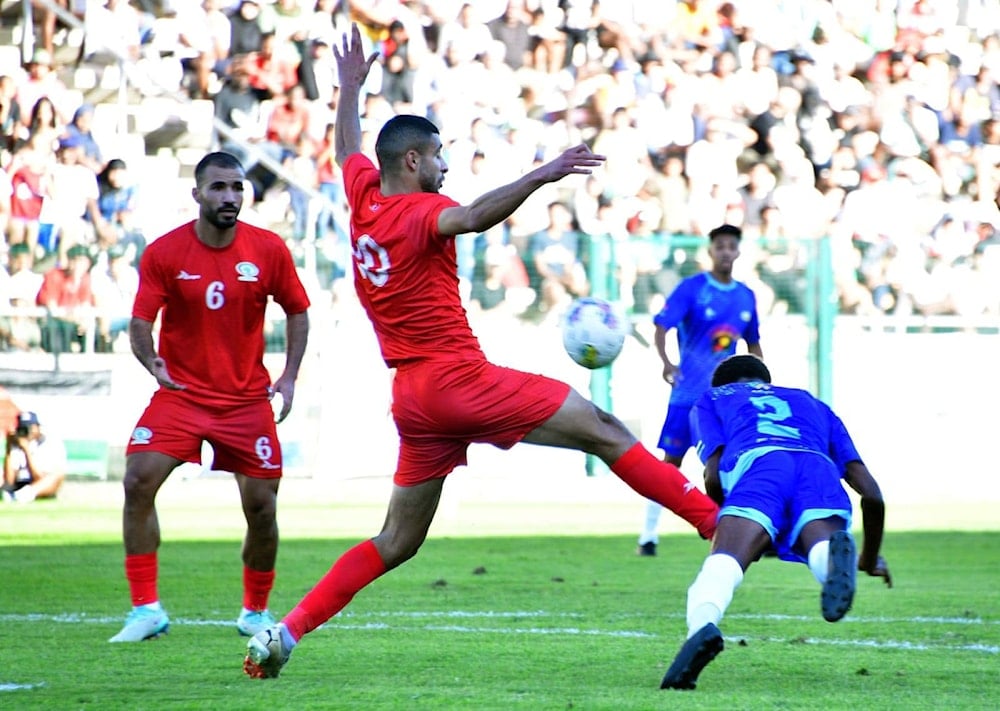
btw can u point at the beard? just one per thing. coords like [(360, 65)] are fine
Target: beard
[(223, 220)]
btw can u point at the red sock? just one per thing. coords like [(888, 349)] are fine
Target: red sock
[(140, 571), (257, 586), (354, 570), (664, 483)]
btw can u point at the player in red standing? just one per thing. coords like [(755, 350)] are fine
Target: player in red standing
[(211, 279), (445, 393)]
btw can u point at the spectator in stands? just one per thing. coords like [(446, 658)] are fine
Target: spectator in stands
[(81, 127), (754, 195), (72, 202), (547, 48), (116, 202), (24, 282), (43, 119), (465, 36), (628, 162), (20, 331), (400, 67), (66, 293), (301, 165), (247, 28), (30, 175), (330, 183), (10, 112), (556, 259), (114, 35), (238, 107), (329, 22), (35, 464), (114, 284), (291, 30), (206, 32), (289, 120), (273, 69), (42, 80), (511, 28)]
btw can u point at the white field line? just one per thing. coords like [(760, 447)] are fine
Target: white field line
[(376, 621)]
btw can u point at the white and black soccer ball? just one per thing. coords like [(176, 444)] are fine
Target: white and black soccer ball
[(594, 331)]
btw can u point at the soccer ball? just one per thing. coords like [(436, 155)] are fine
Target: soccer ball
[(594, 331)]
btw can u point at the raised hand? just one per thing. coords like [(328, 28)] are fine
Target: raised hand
[(578, 160), (352, 66)]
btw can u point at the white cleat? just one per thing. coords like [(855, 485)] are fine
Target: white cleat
[(250, 622), (141, 624)]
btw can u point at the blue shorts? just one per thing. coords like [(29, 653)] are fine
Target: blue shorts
[(783, 491), (675, 437)]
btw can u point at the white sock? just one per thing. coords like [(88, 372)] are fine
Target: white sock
[(649, 534), (286, 637), (712, 591), (155, 606), (819, 561)]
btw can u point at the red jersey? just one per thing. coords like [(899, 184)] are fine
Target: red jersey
[(407, 276), (213, 303)]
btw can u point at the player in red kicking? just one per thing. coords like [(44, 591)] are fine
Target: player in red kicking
[(445, 393)]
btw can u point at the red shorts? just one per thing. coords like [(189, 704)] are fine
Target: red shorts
[(244, 436), (441, 408)]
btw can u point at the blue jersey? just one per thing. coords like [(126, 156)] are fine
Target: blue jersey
[(751, 419), (710, 318)]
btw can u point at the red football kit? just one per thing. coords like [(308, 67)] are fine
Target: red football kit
[(213, 303), (445, 393)]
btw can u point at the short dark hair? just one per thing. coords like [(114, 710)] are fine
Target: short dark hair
[(740, 367), (721, 230), (400, 134), (219, 159)]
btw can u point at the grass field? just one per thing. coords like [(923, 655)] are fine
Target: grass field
[(498, 622)]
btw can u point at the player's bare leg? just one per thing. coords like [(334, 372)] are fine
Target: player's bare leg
[(259, 498)]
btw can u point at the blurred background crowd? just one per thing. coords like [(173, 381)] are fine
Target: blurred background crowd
[(873, 123)]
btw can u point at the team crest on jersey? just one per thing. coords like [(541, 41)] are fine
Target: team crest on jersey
[(141, 435), (248, 271)]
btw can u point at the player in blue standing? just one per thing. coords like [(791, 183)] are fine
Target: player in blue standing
[(775, 459), (711, 312)]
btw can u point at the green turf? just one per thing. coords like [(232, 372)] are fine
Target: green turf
[(494, 623)]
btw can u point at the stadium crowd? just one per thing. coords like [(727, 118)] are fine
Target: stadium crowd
[(875, 122)]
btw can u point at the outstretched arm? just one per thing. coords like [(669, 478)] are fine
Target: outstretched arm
[(860, 479), (352, 68), (497, 205)]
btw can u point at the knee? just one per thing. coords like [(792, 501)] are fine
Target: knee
[(395, 549), (139, 489), (612, 438), (261, 513)]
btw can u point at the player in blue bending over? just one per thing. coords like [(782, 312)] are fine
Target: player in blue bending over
[(774, 459), (711, 312)]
